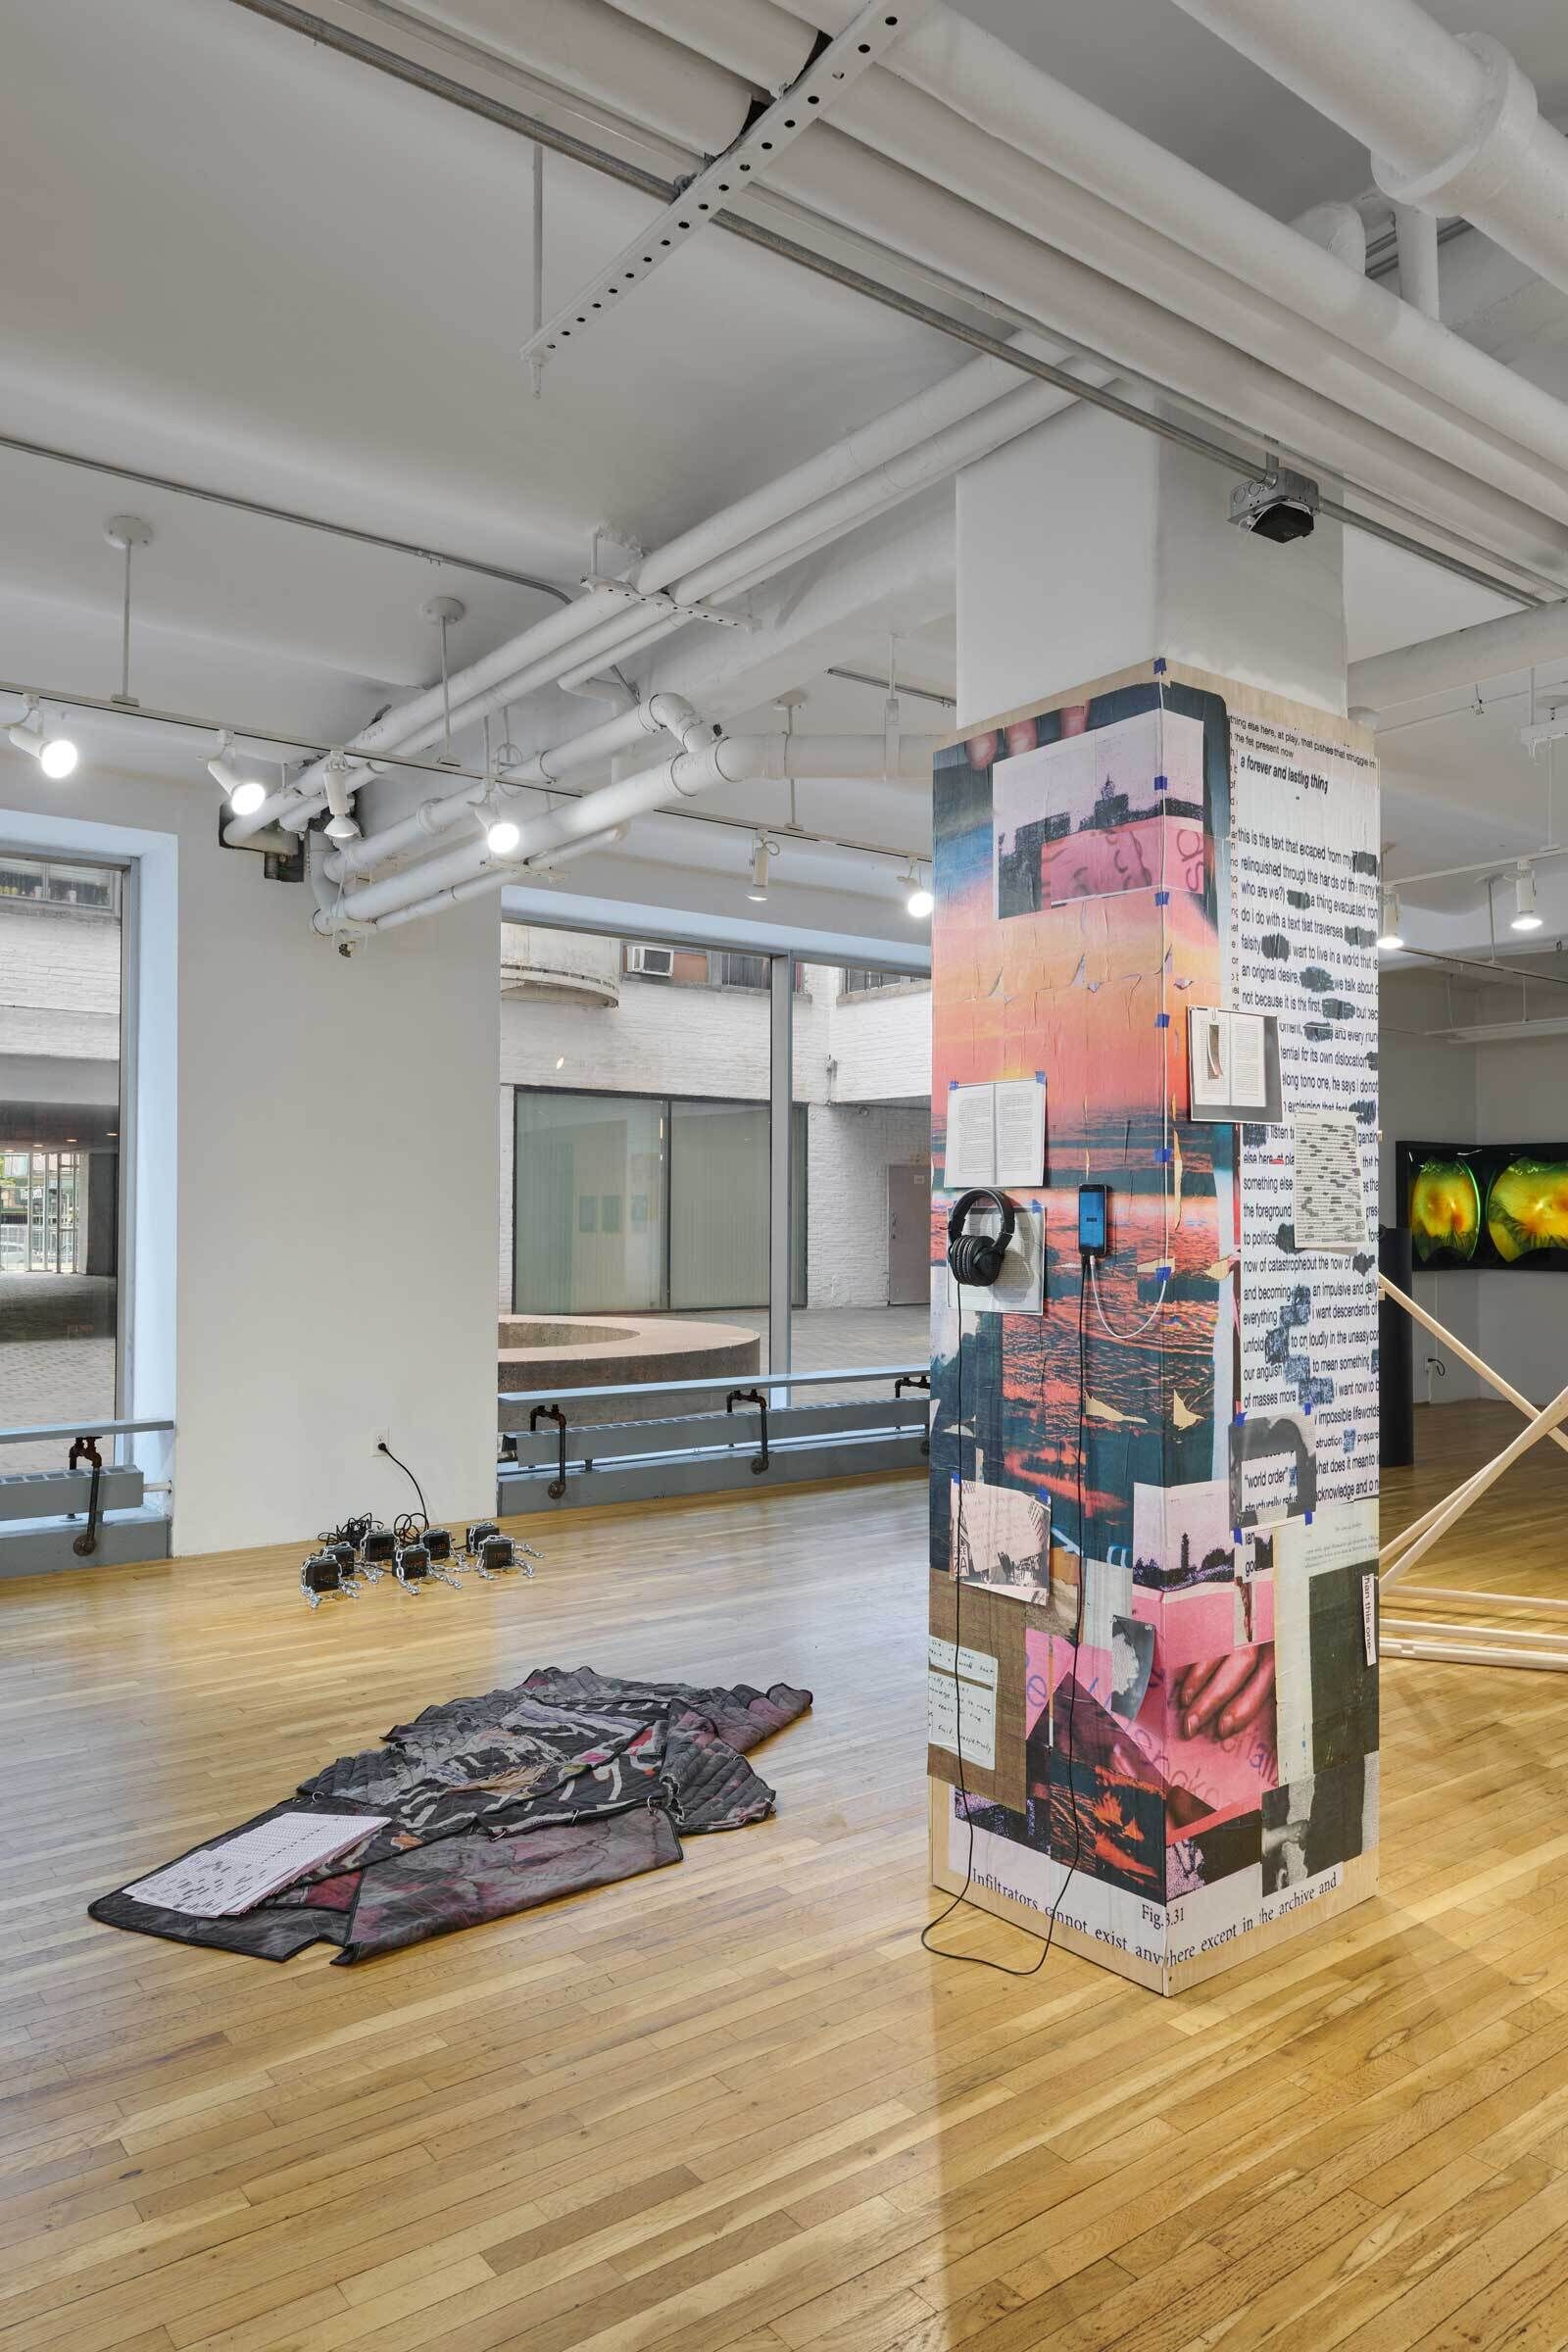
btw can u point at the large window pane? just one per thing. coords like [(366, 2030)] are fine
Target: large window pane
[(862, 1095), (719, 1205), (60, 1131), (589, 1203)]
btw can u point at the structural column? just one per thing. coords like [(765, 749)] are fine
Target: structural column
[(1152, 1682)]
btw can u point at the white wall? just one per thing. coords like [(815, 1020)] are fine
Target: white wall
[(317, 1193)]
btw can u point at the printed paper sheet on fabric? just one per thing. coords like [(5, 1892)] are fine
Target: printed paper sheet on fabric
[(1165, 1468)]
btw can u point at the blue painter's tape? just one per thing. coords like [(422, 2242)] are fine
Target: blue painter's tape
[(1159, 666), (952, 1086), (1307, 1516), (1236, 1533), (1163, 1155), (1161, 784), (1239, 1416), (1163, 897), (1164, 1272), (1162, 1020), (1040, 1077)]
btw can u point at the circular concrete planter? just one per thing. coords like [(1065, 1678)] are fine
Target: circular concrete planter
[(547, 1353)]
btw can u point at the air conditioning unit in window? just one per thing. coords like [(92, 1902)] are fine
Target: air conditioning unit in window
[(654, 964)]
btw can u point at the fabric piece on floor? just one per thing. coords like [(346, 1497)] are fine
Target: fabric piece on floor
[(272, 1931), (500, 1800), (463, 1881), (740, 1716)]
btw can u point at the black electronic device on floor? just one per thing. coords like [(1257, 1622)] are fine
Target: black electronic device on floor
[(476, 1535), (321, 1575)]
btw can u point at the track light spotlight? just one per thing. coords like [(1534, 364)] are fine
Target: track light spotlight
[(340, 800), (55, 754), (1389, 937), (757, 889), (1524, 916), (245, 792), (502, 836), (919, 899)]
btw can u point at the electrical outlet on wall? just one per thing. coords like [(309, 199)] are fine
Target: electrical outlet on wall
[(380, 1438)]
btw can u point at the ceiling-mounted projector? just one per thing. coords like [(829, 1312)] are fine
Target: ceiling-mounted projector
[(1282, 507)]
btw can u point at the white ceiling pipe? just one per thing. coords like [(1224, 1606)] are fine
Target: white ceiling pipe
[(1337, 228), (1417, 236), (681, 776), (562, 627), (658, 713), (635, 627), (912, 216), (586, 677), (939, 406), (960, 445), (701, 105), (773, 758), (510, 671), (1451, 122), (1492, 649), (762, 42), (724, 760), (497, 879), (990, 86), (1135, 263), (664, 711), (1138, 337), (599, 645)]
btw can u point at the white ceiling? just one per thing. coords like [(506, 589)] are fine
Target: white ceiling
[(244, 261)]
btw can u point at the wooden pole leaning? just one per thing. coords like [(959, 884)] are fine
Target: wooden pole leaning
[(1466, 1355), (1458, 1642), (1543, 1423)]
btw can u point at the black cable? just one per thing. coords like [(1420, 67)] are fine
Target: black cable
[(978, 1959), (381, 1447)]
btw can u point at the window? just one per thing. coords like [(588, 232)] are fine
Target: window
[(638, 1204), (61, 949)]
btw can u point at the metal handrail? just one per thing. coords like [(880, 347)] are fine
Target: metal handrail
[(80, 1429), (685, 1388)]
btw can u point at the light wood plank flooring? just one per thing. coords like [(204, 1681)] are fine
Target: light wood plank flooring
[(734, 2107)]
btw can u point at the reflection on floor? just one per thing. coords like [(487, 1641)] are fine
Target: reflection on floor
[(735, 2104)]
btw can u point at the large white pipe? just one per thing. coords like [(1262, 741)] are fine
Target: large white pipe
[(483, 692), (664, 711), (1492, 649), (1451, 122), (959, 445), (589, 632), (1136, 336), (564, 627), (1417, 235), (1479, 487), (948, 403), (701, 767), (978, 80)]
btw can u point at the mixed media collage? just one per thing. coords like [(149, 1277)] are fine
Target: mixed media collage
[(1165, 1457)]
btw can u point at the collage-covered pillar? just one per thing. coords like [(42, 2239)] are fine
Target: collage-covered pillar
[(1153, 1683)]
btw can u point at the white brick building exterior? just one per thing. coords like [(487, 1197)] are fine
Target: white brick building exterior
[(863, 1066)]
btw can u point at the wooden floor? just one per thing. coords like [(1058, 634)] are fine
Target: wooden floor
[(734, 2105)]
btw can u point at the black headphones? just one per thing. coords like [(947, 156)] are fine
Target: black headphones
[(977, 1258)]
